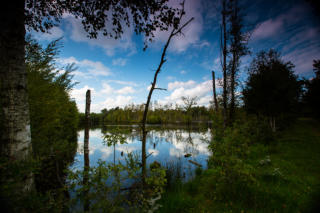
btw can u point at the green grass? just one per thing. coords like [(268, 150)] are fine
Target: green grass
[(290, 182)]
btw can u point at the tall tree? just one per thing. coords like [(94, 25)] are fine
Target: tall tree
[(238, 48), (108, 17), (272, 88), (224, 49)]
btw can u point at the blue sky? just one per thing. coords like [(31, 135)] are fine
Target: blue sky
[(119, 72)]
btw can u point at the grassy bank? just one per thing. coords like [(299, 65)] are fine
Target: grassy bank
[(286, 178)]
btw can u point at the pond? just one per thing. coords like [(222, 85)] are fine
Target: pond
[(185, 148)]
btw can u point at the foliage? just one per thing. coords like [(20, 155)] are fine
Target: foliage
[(272, 88), (117, 187), (313, 90), (285, 172), (229, 169), (54, 116), (103, 18), (158, 114), (114, 136)]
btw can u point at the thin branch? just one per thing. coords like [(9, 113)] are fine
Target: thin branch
[(149, 155), (160, 88), (183, 26)]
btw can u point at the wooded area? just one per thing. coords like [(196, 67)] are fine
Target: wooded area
[(256, 131)]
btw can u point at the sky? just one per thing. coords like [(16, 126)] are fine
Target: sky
[(119, 72)]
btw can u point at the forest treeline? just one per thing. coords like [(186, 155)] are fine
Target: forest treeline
[(132, 114)]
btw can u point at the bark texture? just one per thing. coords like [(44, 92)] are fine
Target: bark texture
[(16, 135)]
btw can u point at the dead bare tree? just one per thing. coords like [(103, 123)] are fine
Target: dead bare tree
[(224, 61), (177, 30), (214, 92), (86, 204)]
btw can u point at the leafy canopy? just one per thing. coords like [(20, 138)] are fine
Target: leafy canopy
[(109, 17), (272, 87)]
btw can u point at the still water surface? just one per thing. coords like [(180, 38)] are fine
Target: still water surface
[(168, 146)]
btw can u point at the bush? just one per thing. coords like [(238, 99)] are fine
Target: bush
[(230, 147)]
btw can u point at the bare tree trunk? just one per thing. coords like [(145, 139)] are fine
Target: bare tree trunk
[(177, 30), (15, 134), (214, 92), (232, 86), (272, 122), (238, 47), (86, 204), (224, 66)]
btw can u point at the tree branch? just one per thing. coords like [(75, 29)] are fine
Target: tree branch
[(160, 88)]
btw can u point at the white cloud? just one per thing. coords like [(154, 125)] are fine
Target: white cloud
[(153, 151), (276, 26), (125, 90), (87, 68), (119, 62), (267, 29), (175, 152), (80, 94), (178, 84), (112, 102), (303, 58), (183, 72), (106, 89), (98, 100), (190, 88), (130, 83)]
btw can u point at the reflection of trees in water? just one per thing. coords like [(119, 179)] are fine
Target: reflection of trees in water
[(186, 138), (120, 186)]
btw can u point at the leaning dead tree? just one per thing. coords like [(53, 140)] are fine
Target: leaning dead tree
[(177, 30)]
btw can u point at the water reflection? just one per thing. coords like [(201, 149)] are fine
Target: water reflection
[(164, 145)]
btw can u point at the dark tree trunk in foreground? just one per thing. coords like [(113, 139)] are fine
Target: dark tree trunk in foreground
[(15, 133), (214, 92), (86, 203)]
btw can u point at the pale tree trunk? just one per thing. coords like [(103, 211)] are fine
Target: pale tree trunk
[(272, 121), (15, 135)]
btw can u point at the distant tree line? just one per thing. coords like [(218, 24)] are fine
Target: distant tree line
[(158, 114)]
